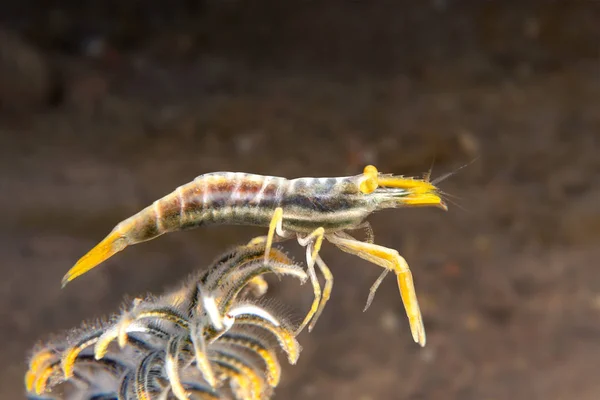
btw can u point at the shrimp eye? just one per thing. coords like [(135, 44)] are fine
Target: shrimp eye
[(369, 184)]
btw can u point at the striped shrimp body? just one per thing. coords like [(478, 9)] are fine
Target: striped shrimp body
[(307, 209)]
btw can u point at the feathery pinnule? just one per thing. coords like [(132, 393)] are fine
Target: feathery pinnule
[(206, 339)]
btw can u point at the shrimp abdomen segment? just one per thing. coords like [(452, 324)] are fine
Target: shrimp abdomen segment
[(224, 197), (233, 198)]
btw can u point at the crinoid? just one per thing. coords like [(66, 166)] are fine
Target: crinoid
[(207, 339)]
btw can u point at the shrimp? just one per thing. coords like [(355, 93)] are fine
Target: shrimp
[(309, 210)]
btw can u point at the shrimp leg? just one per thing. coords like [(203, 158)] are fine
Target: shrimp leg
[(274, 227), (259, 283), (313, 243), (326, 290), (390, 260)]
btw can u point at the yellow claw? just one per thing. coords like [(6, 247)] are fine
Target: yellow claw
[(426, 199), (406, 183), (411, 305), (108, 247)]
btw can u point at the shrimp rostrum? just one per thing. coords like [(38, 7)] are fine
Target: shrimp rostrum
[(309, 210)]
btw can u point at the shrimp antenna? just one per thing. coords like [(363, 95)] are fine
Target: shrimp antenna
[(427, 176), (449, 174)]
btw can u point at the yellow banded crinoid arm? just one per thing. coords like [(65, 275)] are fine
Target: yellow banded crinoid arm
[(206, 339)]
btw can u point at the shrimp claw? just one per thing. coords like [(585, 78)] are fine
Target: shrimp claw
[(390, 260)]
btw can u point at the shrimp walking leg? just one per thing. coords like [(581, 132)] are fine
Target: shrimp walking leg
[(374, 288), (259, 283), (326, 290), (275, 226), (368, 229), (313, 243), (391, 260)]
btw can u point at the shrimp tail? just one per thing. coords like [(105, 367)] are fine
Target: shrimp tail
[(109, 246)]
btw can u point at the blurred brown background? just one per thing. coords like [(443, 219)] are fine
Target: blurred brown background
[(106, 106)]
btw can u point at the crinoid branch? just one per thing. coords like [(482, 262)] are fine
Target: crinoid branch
[(207, 339)]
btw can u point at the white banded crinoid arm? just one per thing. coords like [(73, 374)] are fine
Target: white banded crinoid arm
[(205, 340)]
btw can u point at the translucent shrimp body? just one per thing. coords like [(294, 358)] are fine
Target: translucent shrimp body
[(308, 209)]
